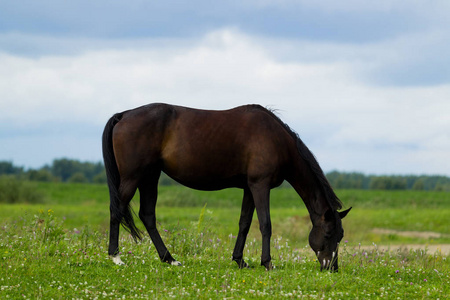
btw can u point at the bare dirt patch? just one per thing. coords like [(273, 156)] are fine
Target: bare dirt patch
[(416, 234), (430, 248), (443, 249)]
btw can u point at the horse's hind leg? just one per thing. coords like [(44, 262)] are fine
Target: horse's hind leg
[(148, 190), (114, 226), (126, 193), (247, 210)]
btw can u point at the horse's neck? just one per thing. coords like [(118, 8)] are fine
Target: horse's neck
[(307, 187)]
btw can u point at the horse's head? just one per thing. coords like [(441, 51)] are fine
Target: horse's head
[(325, 236)]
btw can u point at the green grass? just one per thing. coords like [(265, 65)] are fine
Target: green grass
[(58, 249), (40, 258), (83, 204)]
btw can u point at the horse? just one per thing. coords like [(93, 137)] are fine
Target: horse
[(247, 147)]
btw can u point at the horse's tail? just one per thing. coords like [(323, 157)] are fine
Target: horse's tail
[(125, 216)]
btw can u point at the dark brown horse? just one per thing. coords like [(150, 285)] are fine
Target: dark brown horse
[(247, 147)]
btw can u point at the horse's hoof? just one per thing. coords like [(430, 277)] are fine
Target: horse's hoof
[(241, 264), (116, 259), (175, 263), (269, 266)]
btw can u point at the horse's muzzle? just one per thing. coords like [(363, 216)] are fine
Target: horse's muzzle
[(332, 268), (328, 264)]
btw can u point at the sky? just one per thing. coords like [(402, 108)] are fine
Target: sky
[(365, 84)]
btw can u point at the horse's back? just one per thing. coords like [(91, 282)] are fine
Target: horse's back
[(233, 133)]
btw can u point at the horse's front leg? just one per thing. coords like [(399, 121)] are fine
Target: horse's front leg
[(261, 194), (248, 207)]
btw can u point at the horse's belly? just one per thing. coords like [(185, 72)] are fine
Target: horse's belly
[(206, 181)]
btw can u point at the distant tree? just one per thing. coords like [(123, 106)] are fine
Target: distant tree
[(40, 175), (419, 185), (440, 183), (346, 180), (387, 183), (100, 178), (398, 183), (65, 168), (8, 168), (91, 170), (78, 177), (441, 187), (378, 183)]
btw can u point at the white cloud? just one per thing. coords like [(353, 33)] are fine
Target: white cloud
[(349, 124)]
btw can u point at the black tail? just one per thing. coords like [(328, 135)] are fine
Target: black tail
[(113, 177)]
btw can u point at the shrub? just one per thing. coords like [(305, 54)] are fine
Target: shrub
[(100, 178), (78, 177), (41, 175), (13, 190)]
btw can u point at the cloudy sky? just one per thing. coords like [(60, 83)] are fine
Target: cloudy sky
[(366, 84)]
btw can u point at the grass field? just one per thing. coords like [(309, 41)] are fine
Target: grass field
[(58, 249)]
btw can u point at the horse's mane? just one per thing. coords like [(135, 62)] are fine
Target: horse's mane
[(310, 160)]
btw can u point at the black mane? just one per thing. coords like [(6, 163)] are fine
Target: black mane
[(311, 161)]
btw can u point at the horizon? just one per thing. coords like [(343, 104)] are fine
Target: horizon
[(25, 169)]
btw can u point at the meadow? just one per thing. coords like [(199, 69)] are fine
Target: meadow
[(57, 249)]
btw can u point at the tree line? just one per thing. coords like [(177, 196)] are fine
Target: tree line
[(62, 170), (355, 180), (69, 170)]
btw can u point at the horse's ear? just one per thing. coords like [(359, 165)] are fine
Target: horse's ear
[(342, 214)]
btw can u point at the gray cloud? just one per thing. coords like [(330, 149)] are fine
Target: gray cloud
[(345, 21)]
